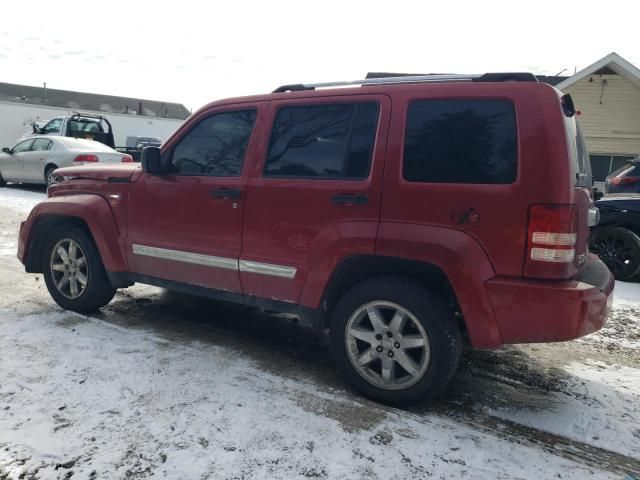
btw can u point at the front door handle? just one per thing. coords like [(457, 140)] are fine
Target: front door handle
[(225, 193), (349, 199)]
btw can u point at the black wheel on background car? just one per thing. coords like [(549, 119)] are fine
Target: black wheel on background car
[(2, 182), (73, 271), (394, 340), (49, 177), (619, 249)]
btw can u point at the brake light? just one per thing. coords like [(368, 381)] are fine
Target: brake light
[(551, 241), (86, 158), (127, 159), (623, 180)]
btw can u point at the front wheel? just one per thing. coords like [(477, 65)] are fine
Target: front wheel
[(619, 249), (73, 271), (394, 340)]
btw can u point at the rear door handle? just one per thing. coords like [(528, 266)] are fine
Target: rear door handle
[(225, 193), (349, 199)]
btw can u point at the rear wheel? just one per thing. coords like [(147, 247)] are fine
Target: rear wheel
[(49, 177), (619, 249), (394, 340), (2, 182), (73, 271)]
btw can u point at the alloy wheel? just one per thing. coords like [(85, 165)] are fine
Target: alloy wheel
[(69, 268), (387, 345)]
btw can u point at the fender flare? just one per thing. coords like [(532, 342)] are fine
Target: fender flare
[(91, 209)]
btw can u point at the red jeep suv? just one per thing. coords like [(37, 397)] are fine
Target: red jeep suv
[(405, 216)]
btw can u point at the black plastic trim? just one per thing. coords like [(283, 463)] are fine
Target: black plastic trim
[(311, 317)]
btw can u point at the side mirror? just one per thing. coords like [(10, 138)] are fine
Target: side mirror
[(152, 161), (7, 150)]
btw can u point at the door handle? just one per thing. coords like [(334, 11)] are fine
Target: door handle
[(225, 193), (349, 199)]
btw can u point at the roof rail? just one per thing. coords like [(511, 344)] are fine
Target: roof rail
[(486, 77)]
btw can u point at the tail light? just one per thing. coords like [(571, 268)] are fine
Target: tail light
[(623, 180), (86, 158), (127, 159), (551, 241)]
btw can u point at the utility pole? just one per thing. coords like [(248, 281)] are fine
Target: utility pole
[(45, 93)]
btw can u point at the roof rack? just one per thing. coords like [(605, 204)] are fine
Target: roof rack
[(486, 77)]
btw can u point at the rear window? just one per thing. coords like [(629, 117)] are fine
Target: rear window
[(578, 152), (461, 141)]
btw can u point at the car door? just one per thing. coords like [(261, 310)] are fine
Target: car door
[(12, 164), (35, 159), (314, 197), (186, 225)]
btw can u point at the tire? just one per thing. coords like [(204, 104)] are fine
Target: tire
[(2, 182), (619, 249), (96, 292), (354, 336), (48, 178)]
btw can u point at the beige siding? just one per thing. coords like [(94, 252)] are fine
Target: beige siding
[(613, 125)]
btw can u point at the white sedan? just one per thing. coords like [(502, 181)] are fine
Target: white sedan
[(34, 159)]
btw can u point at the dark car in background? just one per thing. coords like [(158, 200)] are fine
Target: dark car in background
[(624, 180), (616, 238)]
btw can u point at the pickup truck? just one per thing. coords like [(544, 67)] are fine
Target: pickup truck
[(78, 125)]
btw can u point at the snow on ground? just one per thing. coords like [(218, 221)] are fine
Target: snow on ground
[(600, 405), (20, 199), (127, 403)]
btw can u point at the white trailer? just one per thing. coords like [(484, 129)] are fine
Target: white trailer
[(16, 120)]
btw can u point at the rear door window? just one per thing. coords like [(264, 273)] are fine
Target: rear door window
[(323, 141), (461, 141), (41, 144)]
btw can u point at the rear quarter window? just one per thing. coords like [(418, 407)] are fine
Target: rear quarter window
[(461, 141)]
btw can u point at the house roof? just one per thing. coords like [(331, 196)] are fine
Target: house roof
[(611, 63), (551, 80), (91, 101)]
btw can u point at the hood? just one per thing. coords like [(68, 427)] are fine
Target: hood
[(127, 172), (620, 201)]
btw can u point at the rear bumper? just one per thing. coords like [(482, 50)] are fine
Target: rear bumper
[(529, 311)]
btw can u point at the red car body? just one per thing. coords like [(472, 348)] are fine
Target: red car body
[(285, 241)]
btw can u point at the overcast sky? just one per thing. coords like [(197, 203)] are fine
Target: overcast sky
[(195, 52)]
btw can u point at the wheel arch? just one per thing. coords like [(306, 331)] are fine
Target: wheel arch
[(358, 268), (88, 212)]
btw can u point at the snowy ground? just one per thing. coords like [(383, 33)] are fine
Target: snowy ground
[(171, 386)]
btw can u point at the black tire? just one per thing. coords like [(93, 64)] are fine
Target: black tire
[(47, 173), (2, 182), (619, 249), (427, 307), (98, 291)]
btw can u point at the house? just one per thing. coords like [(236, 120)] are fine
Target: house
[(607, 94)]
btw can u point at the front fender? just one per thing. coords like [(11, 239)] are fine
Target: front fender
[(92, 209), (463, 261)]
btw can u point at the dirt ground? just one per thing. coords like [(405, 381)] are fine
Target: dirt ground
[(512, 395)]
